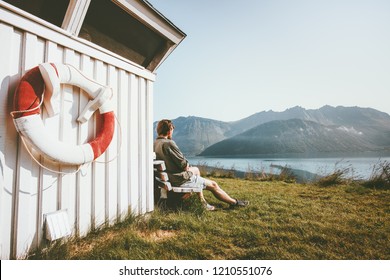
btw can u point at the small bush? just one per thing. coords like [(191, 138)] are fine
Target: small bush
[(341, 175), (335, 178), (258, 175), (380, 177), (287, 175)]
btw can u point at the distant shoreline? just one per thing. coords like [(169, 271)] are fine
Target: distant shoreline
[(365, 154), (303, 169), (301, 176)]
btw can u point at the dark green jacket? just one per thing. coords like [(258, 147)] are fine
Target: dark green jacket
[(175, 162)]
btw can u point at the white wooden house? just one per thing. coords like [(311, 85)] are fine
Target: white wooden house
[(119, 43)]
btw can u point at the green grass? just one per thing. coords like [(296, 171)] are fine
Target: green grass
[(284, 221)]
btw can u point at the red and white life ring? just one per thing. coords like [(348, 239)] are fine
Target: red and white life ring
[(44, 82)]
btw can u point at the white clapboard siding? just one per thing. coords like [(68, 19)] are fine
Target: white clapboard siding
[(119, 183)]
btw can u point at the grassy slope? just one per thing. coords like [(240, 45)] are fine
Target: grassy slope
[(283, 221)]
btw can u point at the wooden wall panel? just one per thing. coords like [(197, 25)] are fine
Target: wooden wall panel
[(100, 193)]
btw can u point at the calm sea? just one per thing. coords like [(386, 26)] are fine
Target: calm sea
[(356, 167)]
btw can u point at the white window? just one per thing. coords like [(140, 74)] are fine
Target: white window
[(49, 10), (113, 28)]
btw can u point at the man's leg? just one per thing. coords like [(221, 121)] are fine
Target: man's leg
[(212, 186), (195, 171), (218, 192)]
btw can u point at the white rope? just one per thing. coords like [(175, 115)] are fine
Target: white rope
[(28, 110), (86, 77), (45, 167)]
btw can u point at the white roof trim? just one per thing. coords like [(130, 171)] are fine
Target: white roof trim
[(149, 16)]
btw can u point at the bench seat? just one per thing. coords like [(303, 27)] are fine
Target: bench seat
[(162, 181)]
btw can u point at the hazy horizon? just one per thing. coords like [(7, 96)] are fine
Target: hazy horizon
[(276, 111)]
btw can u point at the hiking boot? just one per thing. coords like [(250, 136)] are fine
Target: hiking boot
[(240, 203)]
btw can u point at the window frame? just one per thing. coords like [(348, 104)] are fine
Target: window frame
[(142, 11)]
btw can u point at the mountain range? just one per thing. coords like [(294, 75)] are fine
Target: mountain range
[(293, 131)]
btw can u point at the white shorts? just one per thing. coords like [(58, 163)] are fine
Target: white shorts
[(195, 182)]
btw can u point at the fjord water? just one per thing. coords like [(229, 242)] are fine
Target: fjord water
[(356, 167)]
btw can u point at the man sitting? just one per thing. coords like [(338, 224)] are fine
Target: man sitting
[(178, 169)]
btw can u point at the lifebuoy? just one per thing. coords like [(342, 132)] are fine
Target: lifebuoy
[(42, 84)]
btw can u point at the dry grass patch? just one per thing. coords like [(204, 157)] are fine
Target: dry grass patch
[(158, 235)]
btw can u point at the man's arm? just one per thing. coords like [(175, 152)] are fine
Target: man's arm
[(177, 157)]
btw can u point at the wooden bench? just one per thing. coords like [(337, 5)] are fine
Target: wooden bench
[(164, 191)]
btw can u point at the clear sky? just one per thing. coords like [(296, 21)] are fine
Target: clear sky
[(243, 57)]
